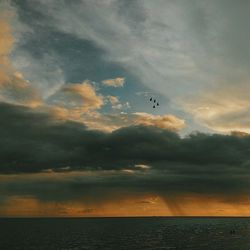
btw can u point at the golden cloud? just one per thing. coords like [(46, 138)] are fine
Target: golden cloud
[(225, 108), (113, 100), (110, 122), (116, 104), (116, 82), (17, 90), (13, 87), (6, 44), (79, 97), (170, 122)]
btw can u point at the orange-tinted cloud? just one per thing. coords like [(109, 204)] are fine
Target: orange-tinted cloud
[(6, 45), (116, 82), (17, 90), (113, 100), (78, 96), (13, 87), (170, 122), (111, 122), (116, 104), (127, 205), (224, 108), (124, 206)]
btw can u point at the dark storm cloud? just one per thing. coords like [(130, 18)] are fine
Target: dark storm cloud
[(100, 186), (33, 141), (96, 167)]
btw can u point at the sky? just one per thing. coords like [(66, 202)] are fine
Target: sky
[(79, 135)]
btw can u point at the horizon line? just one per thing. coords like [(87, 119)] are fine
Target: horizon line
[(121, 217)]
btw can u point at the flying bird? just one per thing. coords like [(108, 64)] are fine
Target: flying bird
[(155, 102)]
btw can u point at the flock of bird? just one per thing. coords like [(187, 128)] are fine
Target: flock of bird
[(155, 102)]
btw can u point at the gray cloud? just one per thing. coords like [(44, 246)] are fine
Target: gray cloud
[(104, 186)]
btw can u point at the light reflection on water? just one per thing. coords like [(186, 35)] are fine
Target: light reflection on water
[(125, 233)]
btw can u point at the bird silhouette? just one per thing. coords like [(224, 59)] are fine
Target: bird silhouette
[(155, 102)]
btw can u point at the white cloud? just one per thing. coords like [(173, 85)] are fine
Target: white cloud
[(43, 73), (142, 166)]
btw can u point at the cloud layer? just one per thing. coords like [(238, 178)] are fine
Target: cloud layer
[(34, 141)]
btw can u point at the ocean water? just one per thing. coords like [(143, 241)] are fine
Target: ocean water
[(124, 233)]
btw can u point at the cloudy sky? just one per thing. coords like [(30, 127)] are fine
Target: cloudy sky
[(79, 136)]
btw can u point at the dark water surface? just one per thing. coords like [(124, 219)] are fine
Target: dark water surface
[(125, 233)]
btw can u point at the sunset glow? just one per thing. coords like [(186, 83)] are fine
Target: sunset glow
[(124, 108)]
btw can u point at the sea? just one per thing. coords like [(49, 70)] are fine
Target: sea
[(141, 233)]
